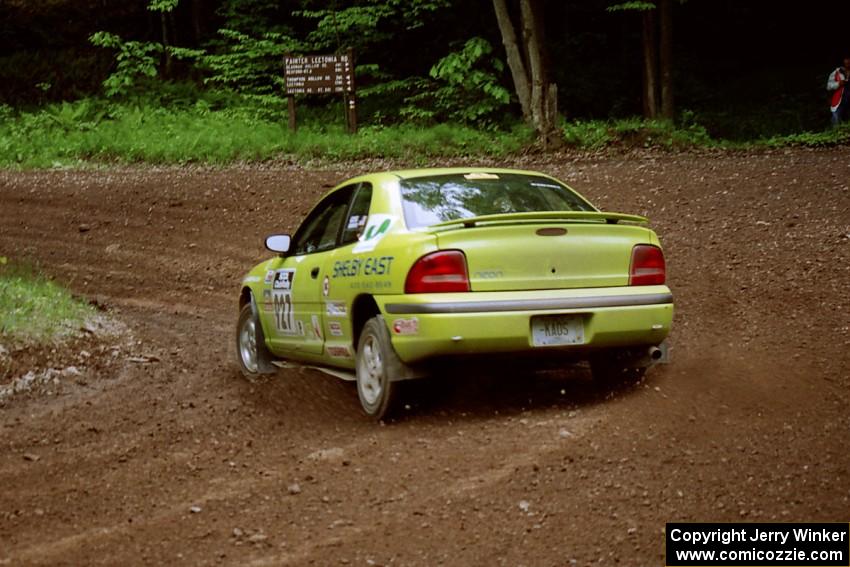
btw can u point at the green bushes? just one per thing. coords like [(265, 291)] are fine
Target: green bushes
[(634, 132), (832, 137)]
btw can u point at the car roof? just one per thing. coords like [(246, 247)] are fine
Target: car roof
[(411, 173), (383, 176)]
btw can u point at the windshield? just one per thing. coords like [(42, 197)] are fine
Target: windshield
[(440, 198)]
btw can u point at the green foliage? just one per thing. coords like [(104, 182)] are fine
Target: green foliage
[(162, 5), (415, 61), (636, 6), (33, 308), (220, 130), (368, 22), (588, 135), (464, 88), (369, 27), (178, 124), (255, 16), (357, 24), (246, 64), (83, 115), (634, 132), (134, 59), (833, 137)]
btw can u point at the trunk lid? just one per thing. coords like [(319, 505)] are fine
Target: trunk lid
[(511, 254)]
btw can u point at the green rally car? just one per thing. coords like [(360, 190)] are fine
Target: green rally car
[(392, 274)]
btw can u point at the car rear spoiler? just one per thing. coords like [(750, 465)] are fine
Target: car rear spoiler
[(542, 216)]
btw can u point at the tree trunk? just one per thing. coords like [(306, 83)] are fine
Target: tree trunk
[(554, 138), (174, 30), (535, 64), (163, 20), (515, 61), (650, 65), (529, 68), (196, 22), (544, 95), (666, 59)]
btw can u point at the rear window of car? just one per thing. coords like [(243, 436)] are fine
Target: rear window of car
[(440, 198)]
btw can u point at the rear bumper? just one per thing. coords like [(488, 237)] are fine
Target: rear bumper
[(435, 325)]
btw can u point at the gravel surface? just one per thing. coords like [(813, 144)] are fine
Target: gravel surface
[(155, 451)]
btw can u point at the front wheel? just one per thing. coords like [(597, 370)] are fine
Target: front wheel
[(251, 352), (377, 364)]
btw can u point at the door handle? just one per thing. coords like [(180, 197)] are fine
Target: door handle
[(314, 273)]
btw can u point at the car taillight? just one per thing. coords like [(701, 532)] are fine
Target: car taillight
[(438, 272), (648, 266)]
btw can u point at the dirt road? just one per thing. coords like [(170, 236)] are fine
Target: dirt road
[(159, 453)]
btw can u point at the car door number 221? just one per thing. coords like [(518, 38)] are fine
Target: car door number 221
[(284, 318), (283, 314)]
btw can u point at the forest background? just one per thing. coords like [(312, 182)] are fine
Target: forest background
[(168, 81)]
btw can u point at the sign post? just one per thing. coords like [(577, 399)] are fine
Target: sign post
[(321, 74), (290, 102)]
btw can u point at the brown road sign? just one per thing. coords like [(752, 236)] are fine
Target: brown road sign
[(319, 74)]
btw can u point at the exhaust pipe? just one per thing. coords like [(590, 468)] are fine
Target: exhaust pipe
[(640, 358), (654, 353)]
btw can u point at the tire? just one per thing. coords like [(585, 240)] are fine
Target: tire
[(377, 367), (251, 352), (611, 372)]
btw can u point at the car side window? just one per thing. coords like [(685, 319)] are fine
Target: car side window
[(320, 230), (357, 215)]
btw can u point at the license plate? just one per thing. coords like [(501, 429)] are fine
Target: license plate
[(556, 330)]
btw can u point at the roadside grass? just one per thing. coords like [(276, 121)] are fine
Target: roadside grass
[(596, 135), (831, 137), (216, 128), (68, 134), (34, 309)]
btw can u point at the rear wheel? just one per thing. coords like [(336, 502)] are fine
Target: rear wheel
[(251, 352), (377, 366)]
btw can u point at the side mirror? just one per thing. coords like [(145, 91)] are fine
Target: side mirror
[(278, 243)]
